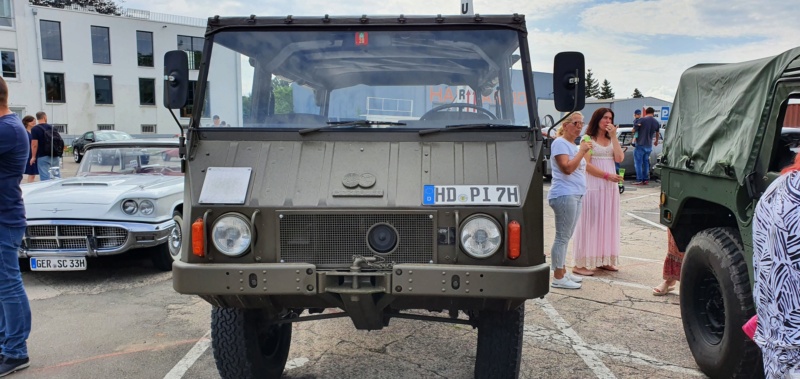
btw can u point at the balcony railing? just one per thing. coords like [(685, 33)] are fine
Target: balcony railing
[(130, 13)]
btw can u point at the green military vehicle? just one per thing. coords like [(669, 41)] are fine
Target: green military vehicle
[(724, 146), (353, 185)]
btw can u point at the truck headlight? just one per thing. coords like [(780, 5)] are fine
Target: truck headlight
[(480, 236), (231, 234), (130, 207), (146, 207)]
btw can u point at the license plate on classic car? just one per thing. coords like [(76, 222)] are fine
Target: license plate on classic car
[(58, 264), (470, 195)]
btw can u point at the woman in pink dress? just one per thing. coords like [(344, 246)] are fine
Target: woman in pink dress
[(596, 241)]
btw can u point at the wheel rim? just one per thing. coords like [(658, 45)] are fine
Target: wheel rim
[(76, 155), (269, 341), (711, 304), (175, 239)]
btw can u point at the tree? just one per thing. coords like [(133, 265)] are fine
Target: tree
[(605, 90), (284, 102), (246, 104), (637, 94), (99, 6), (592, 89)]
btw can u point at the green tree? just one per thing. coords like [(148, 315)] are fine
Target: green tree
[(246, 107), (637, 94), (99, 6), (592, 87), (605, 90), (284, 102)]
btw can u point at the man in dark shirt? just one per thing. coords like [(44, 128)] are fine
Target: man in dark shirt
[(646, 130), (15, 311), (43, 156)]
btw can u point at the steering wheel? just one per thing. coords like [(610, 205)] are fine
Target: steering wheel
[(458, 105)]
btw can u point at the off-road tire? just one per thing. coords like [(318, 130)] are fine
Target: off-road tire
[(499, 343), (716, 300), (162, 254), (246, 346)]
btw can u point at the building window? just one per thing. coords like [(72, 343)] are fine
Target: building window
[(147, 91), (60, 128), (101, 50), (9, 60), (144, 48), (54, 88), (148, 129), (102, 90), (105, 126), (51, 40), (6, 14), (189, 108), (193, 46)]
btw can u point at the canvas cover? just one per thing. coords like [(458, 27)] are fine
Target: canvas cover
[(718, 112)]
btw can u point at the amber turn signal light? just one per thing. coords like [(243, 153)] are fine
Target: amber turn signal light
[(514, 239), (198, 234)]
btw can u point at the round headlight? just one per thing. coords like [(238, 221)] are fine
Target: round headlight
[(480, 237), (231, 235), (146, 207), (130, 207)]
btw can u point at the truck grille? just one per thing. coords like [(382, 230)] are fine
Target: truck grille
[(73, 237), (333, 239)]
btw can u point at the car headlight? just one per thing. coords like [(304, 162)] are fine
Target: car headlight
[(146, 207), (480, 236), (231, 234), (130, 207)]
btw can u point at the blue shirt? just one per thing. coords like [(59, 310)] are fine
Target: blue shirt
[(646, 128), (14, 150), (563, 184)]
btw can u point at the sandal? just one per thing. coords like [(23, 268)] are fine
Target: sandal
[(657, 291), (609, 268), (582, 271)]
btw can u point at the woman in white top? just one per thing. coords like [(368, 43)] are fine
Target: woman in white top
[(566, 193)]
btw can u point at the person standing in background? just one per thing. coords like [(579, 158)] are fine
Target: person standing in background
[(646, 132), (15, 310), (30, 169), (42, 148)]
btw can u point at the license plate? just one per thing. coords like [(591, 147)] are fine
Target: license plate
[(58, 264), (470, 195)]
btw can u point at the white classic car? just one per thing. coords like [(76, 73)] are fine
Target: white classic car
[(133, 201)]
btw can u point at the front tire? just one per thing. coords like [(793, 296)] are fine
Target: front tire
[(76, 155), (167, 253), (499, 343), (246, 345), (716, 301)]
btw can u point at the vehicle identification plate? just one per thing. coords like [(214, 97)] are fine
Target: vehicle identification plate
[(58, 264), (470, 195)]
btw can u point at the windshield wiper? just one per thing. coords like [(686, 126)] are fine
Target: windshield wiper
[(357, 123), (469, 126)]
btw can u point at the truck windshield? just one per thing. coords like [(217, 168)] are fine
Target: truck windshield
[(396, 79)]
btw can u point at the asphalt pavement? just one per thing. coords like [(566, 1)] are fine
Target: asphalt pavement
[(122, 319)]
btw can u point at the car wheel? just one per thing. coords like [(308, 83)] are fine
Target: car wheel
[(716, 300), (76, 155), (499, 343), (169, 252), (247, 345)]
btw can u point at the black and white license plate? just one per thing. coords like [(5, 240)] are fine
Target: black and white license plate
[(58, 263), (470, 195)]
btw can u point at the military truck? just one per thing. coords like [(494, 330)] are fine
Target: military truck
[(354, 184), (723, 147)]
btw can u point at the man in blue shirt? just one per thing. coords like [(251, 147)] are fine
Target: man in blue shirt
[(15, 311), (646, 131)]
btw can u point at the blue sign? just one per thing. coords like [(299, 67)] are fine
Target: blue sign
[(664, 113), (428, 193)]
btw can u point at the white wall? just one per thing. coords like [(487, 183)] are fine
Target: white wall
[(80, 111)]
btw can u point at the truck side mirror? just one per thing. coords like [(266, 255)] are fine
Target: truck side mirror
[(176, 79), (569, 81)]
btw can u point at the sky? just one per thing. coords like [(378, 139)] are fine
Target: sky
[(644, 44)]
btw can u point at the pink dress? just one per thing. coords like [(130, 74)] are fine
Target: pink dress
[(596, 240)]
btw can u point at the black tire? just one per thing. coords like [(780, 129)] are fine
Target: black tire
[(716, 301), (167, 253), (24, 264), (499, 343), (76, 154), (246, 346)]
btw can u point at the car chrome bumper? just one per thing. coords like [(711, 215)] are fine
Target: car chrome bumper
[(403, 280), (139, 235)]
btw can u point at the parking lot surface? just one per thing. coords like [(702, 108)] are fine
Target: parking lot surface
[(122, 319)]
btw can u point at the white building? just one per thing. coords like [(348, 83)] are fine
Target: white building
[(91, 71)]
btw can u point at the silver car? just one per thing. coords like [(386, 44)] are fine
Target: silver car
[(110, 207)]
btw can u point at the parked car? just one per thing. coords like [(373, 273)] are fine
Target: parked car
[(107, 209), (78, 145)]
